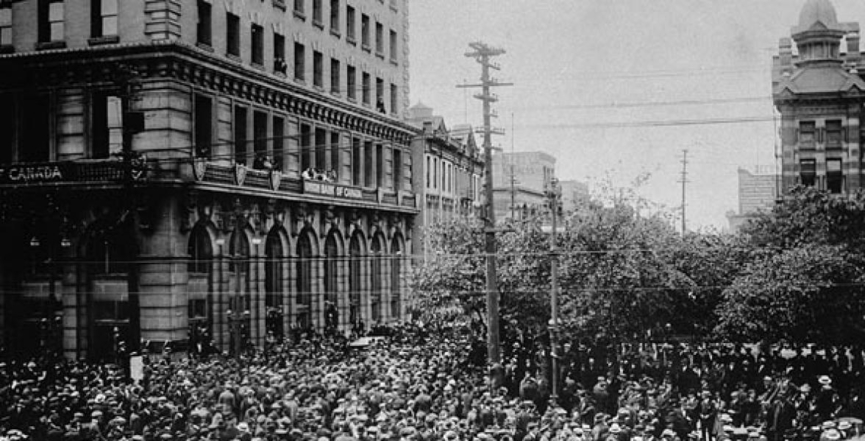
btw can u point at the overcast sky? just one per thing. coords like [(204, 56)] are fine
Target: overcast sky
[(610, 87)]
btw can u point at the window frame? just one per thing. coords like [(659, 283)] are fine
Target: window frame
[(350, 24), (299, 62), (98, 16), (232, 34), (204, 24), (317, 69)]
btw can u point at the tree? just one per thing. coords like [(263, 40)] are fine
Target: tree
[(802, 295), (804, 279)]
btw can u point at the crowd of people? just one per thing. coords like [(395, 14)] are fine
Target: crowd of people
[(419, 385)]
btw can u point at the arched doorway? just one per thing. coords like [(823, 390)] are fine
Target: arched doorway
[(304, 296), (331, 281), (240, 298), (396, 277), (274, 276), (376, 274), (355, 273), (200, 303)]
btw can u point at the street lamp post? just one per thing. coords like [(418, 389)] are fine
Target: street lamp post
[(554, 193)]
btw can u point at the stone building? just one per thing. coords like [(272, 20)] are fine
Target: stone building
[(818, 90), (519, 180), (177, 173), (758, 191)]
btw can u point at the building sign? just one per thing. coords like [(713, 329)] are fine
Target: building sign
[(89, 171), (332, 190), (31, 173)]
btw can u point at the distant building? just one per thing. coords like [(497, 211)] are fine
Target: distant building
[(575, 194), (819, 93), (758, 191), (518, 183), (448, 179)]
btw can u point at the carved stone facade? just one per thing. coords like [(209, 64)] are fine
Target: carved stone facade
[(155, 194)]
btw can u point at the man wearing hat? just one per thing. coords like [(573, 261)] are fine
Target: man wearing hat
[(826, 403)]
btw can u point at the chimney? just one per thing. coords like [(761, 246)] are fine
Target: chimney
[(786, 52), (853, 46)]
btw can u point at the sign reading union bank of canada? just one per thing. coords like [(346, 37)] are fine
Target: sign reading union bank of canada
[(31, 173), (332, 190)]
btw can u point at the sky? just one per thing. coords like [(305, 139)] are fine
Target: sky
[(617, 89)]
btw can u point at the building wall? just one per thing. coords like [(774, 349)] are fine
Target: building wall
[(177, 189), (757, 191)]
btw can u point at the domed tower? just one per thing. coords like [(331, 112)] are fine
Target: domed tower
[(819, 95), (818, 34)]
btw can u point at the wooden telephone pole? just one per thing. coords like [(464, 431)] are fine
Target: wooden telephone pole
[(482, 53)]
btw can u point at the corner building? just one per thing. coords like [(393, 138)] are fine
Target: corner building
[(818, 90), (175, 173)]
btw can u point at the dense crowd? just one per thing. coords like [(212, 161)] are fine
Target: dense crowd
[(418, 385)]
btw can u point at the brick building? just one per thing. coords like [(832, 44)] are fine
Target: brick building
[(818, 90), (180, 172), (448, 182)]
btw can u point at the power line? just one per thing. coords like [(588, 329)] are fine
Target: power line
[(650, 123)]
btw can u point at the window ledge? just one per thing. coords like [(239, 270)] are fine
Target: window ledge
[(366, 47), (352, 100), (50, 45), (280, 74), (299, 15), (279, 4), (351, 40), (108, 39), (300, 81), (379, 54), (235, 58), (257, 66), (335, 32), (204, 46), (394, 62), (319, 24), (7, 49)]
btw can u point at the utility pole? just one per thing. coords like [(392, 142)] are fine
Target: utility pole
[(684, 181), (554, 196), (482, 53)]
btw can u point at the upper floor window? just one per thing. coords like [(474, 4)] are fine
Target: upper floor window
[(379, 39), (393, 46), (834, 133), (299, 9), (317, 13), (334, 75), (366, 86), (203, 125), (317, 69), (107, 125), (334, 16), (364, 31), (279, 63), (35, 131), (241, 136), (834, 176), (257, 32), (5, 25), (299, 62), (103, 18), (350, 24), (379, 95), (204, 29), (232, 34), (51, 20), (394, 98), (351, 82), (808, 172), (807, 133)]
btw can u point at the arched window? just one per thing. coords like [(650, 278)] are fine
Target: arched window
[(273, 277), (331, 280), (200, 250), (239, 265), (395, 278), (354, 277), (200, 267), (304, 281), (375, 277)]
